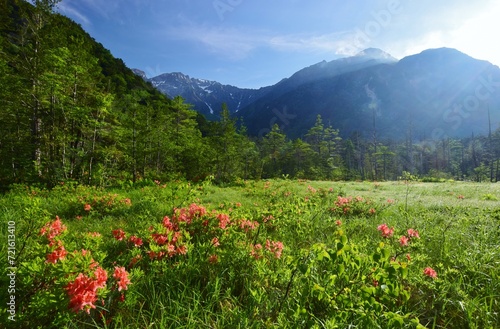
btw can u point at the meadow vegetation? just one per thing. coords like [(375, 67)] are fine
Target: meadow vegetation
[(257, 254)]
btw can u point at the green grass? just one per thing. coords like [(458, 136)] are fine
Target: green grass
[(330, 274)]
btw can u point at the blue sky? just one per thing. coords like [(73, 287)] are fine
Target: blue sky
[(256, 43)]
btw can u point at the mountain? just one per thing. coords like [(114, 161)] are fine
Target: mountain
[(437, 93), (434, 94), (205, 96)]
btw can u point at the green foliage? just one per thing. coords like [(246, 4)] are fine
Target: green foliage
[(260, 254)]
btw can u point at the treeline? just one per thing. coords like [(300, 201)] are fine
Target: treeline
[(71, 111)]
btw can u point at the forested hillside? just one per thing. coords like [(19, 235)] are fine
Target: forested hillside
[(70, 111)]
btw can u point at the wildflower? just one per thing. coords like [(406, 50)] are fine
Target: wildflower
[(247, 225), (101, 276), (168, 224), (195, 210), (430, 272), (268, 218), (53, 229), (181, 250), (342, 201), (338, 222), (83, 290), (87, 207), (121, 275), (256, 251), (135, 260), (461, 197), (372, 211), (385, 230), (135, 240), (58, 254), (413, 233), (275, 247), (215, 242), (390, 201), (223, 220), (213, 259), (127, 202), (408, 257), (403, 241), (160, 239), (81, 293), (171, 250), (119, 234)]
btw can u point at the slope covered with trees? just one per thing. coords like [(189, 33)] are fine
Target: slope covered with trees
[(70, 111)]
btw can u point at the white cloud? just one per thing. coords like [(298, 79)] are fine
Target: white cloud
[(237, 44), (472, 32), (68, 10)]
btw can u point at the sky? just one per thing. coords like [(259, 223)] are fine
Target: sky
[(256, 43)]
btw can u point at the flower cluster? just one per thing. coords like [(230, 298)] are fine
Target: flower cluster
[(352, 206), (404, 240), (276, 247), (385, 230), (248, 225), (83, 290), (53, 229), (119, 234), (58, 254), (428, 271), (121, 275)]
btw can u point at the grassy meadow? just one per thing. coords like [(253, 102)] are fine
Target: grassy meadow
[(257, 254)]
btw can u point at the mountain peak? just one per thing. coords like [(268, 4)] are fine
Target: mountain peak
[(375, 53)]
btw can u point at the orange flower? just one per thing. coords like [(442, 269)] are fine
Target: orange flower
[(430, 272), (58, 254), (121, 275), (119, 234)]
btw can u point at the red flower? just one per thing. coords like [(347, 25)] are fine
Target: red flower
[(160, 239), (53, 229), (256, 251), (197, 211), (224, 220), (385, 230), (87, 207), (275, 247), (58, 254), (372, 211), (119, 234), (430, 272), (413, 233), (213, 259), (215, 242), (135, 240), (247, 225), (83, 291), (408, 257), (101, 276), (403, 241), (181, 250), (338, 222), (121, 275)]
